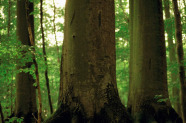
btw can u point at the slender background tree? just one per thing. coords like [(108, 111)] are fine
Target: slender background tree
[(45, 58)]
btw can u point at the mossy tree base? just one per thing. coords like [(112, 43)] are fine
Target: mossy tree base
[(65, 114), (160, 113), (30, 117), (72, 110)]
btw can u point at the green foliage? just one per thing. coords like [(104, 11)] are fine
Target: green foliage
[(51, 50), (122, 49), (15, 119), (160, 98), (172, 67), (13, 54), (8, 56)]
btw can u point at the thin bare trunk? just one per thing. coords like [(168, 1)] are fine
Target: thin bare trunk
[(57, 48), (124, 13), (9, 16), (9, 19), (184, 6), (32, 42), (58, 57), (45, 57), (180, 54), (11, 95), (2, 116)]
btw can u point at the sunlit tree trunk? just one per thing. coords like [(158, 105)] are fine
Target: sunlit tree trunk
[(172, 56), (148, 99), (25, 91), (130, 97), (180, 54), (89, 92), (45, 58)]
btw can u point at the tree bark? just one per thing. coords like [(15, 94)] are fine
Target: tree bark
[(89, 91), (61, 78), (1, 112), (130, 96), (172, 56), (45, 58), (148, 99), (180, 54), (11, 92), (25, 91), (30, 22)]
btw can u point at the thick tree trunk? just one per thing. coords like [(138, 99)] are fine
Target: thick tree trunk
[(172, 56), (25, 91), (180, 57), (89, 92), (45, 58), (30, 22), (130, 96), (148, 99), (61, 78)]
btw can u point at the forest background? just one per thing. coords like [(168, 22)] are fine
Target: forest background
[(53, 22)]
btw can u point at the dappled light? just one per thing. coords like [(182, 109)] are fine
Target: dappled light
[(92, 61)]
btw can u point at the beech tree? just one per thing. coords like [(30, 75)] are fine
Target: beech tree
[(180, 54), (148, 96), (172, 57), (25, 91), (89, 91)]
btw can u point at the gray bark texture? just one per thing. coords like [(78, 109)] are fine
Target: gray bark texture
[(148, 96), (89, 93), (25, 91)]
